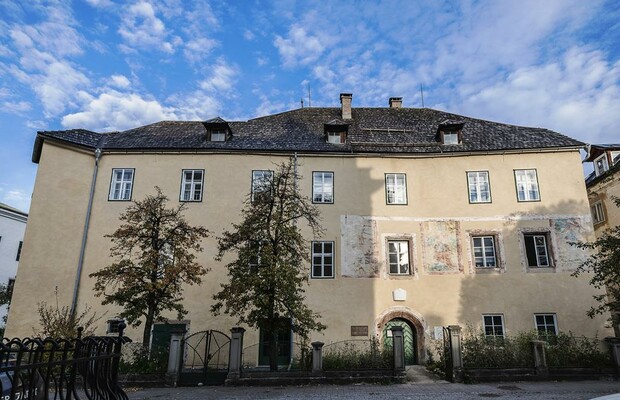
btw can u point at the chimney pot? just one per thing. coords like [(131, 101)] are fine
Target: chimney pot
[(345, 101), (396, 102)]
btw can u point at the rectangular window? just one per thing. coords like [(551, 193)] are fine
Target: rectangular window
[(546, 325), (598, 215), (450, 137), (484, 251), (396, 188), (19, 251), (121, 184), (479, 188), (398, 257), (218, 136), (493, 325), (537, 249), (322, 259), (192, 184), (323, 187), (335, 137), (601, 165), (113, 326), (261, 182), (527, 185)]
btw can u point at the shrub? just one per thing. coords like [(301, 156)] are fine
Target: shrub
[(567, 350), (357, 355), (139, 360), (480, 351)]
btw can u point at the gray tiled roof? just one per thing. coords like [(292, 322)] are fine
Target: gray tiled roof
[(371, 130)]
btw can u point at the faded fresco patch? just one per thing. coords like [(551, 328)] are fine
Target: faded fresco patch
[(440, 241), (568, 230), (359, 247)]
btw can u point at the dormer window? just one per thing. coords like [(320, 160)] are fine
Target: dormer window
[(450, 132), (335, 137), (600, 164), (218, 135), (451, 137)]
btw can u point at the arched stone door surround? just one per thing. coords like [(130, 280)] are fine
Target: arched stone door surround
[(409, 315)]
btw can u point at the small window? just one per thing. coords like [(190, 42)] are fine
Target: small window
[(598, 215), (615, 157), (323, 187), (261, 182), (396, 188), (398, 257), (493, 326), (192, 184), (322, 259), (527, 185), (479, 189), (218, 135), (335, 137), (600, 164), (9, 287), (121, 184), (537, 250), (546, 325), (113, 326), (451, 137), (19, 251), (484, 251)]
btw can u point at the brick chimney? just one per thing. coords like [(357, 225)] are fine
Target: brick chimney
[(396, 102), (345, 101)]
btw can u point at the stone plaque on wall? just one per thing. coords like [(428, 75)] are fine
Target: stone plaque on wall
[(359, 330)]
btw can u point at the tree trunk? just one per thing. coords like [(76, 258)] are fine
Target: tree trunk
[(273, 350), (148, 324)]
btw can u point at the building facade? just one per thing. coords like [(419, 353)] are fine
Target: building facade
[(12, 227), (430, 218)]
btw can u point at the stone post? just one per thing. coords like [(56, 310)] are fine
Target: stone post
[(457, 351), (398, 345), (174, 356), (317, 357), (235, 360), (540, 359)]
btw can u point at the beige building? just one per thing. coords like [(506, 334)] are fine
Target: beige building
[(431, 218), (603, 184)]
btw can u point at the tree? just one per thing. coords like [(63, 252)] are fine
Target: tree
[(267, 278), (604, 265), (155, 251)]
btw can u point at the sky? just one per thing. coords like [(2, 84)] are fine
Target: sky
[(109, 65)]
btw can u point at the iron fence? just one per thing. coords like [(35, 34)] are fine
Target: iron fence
[(79, 368)]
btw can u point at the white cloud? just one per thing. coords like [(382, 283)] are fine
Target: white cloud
[(16, 198), (248, 35), (100, 3), (299, 47), (58, 86), (18, 107), (141, 28), (221, 79), (36, 125), (119, 81), (113, 110), (267, 106), (197, 49)]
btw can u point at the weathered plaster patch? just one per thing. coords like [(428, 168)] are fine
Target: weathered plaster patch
[(359, 247), (441, 246), (568, 230)]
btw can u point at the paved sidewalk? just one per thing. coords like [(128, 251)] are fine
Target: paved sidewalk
[(504, 391)]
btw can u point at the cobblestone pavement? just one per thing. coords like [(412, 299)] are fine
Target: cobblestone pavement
[(502, 391)]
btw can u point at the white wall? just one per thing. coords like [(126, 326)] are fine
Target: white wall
[(12, 227)]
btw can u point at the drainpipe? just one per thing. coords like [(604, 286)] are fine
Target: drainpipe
[(78, 277)]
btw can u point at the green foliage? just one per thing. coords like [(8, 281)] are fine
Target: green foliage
[(143, 361), (357, 355), (155, 251), (480, 351), (57, 322), (604, 267), (437, 366), (567, 350), (270, 271)]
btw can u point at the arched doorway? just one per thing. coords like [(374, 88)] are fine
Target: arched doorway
[(414, 323), (409, 335)]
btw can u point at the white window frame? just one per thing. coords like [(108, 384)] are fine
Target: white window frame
[(493, 325), (605, 164), (193, 186), (537, 249), (450, 137), (218, 135), (397, 189), (399, 253), (121, 189), (322, 255), (529, 185), (476, 181), (334, 137), (260, 182), (545, 324), (320, 188), (483, 248), (598, 213)]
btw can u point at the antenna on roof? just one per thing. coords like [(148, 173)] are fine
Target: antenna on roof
[(422, 94), (309, 98), (302, 102)]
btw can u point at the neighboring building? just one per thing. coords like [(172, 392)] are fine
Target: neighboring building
[(603, 184), (431, 218), (12, 227)]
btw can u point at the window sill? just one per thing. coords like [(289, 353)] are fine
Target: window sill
[(400, 276), (540, 270), (487, 270)]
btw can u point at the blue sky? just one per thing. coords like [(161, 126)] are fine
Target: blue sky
[(112, 65)]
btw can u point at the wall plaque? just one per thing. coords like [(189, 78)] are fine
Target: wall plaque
[(359, 330)]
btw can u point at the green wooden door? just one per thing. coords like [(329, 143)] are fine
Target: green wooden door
[(284, 344), (409, 338)]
